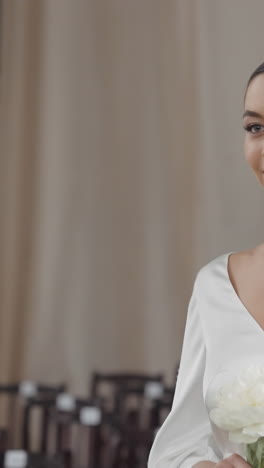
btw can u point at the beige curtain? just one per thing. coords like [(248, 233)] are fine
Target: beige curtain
[(122, 173)]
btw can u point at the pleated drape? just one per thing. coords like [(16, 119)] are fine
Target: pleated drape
[(122, 173)]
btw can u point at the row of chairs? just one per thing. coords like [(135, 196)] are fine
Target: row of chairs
[(114, 427)]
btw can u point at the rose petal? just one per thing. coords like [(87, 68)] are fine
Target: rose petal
[(237, 419), (238, 437), (254, 430)]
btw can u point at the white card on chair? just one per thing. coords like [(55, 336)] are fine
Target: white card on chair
[(90, 416), (15, 459), (153, 390), (28, 389), (65, 402)]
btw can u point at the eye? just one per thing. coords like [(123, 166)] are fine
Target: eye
[(254, 128)]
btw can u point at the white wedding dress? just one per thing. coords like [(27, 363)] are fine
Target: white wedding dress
[(221, 338)]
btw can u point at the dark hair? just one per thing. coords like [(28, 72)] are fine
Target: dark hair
[(258, 71)]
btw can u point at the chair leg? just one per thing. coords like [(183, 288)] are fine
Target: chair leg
[(94, 448), (67, 459), (25, 427), (44, 430)]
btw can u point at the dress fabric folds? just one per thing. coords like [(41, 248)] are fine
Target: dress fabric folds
[(221, 337)]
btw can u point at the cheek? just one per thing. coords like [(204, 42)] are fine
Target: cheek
[(252, 151)]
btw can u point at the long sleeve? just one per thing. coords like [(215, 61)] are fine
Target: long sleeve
[(185, 437)]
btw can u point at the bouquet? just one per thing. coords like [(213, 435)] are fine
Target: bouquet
[(240, 411)]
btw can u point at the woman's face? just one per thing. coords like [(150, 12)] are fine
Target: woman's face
[(253, 123)]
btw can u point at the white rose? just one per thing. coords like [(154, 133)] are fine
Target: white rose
[(240, 406)]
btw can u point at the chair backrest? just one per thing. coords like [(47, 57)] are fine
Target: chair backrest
[(162, 407), (28, 388), (73, 429), (13, 398), (143, 407), (23, 459), (130, 447), (108, 385)]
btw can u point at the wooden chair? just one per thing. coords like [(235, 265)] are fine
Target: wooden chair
[(15, 397), (149, 405), (22, 459), (85, 416), (130, 447), (108, 385), (162, 407)]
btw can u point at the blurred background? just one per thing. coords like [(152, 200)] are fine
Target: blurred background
[(122, 173)]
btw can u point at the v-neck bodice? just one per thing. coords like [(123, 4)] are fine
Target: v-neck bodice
[(221, 338), (236, 296), (239, 337)]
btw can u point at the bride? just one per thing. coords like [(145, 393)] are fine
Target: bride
[(224, 330)]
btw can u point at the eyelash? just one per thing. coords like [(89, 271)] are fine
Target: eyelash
[(249, 127)]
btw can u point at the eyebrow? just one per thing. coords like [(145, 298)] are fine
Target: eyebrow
[(249, 113)]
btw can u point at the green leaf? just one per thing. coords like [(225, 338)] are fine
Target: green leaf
[(255, 453)]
